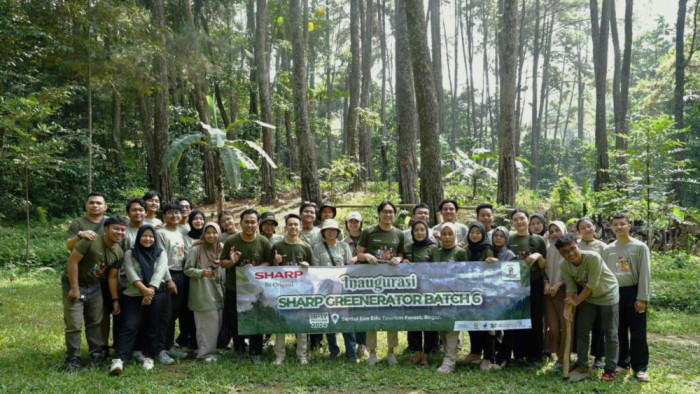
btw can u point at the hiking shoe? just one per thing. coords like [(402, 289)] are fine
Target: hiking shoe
[(362, 351), (472, 358), (210, 358), (138, 356), (446, 368), (598, 363), (164, 358), (642, 376), (372, 359), (95, 360), (391, 359), (485, 365), (73, 364), (279, 361), (147, 363), (117, 367), (303, 361), (256, 360), (608, 376), (176, 353)]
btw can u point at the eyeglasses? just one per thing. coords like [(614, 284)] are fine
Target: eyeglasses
[(388, 212)]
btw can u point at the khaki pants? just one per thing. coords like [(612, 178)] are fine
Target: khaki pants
[(555, 324), (281, 351), (74, 312), (392, 339), (451, 338), (208, 324)]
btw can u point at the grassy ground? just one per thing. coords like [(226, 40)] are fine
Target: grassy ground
[(32, 352)]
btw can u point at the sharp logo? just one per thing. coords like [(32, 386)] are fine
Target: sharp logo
[(278, 275)]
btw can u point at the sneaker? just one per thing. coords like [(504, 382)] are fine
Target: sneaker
[(485, 365), (138, 356), (446, 368), (256, 360), (372, 359), (95, 360), (362, 351), (642, 376), (147, 363), (621, 369), (176, 353), (608, 376), (391, 359), (279, 361), (73, 364), (210, 358), (116, 368), (472, 358), (303, 361), (598, 363), (164, 358)]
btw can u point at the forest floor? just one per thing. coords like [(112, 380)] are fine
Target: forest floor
[(32, 352)]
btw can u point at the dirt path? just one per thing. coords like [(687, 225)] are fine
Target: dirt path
[(288, 202)]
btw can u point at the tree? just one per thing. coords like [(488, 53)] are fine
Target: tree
[(535, 134), (310, 190), (599, 32), (506, 124), (263, 76), (436, 49), (621, 80), (405, 110), (352, 134), (367, 61), (431, 192)]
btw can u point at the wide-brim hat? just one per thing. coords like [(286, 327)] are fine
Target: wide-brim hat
[(268, 217), (328, 205), (329, 224)]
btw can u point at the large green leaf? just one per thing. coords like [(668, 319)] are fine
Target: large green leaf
[(263, 124), (243, 159), (232, 170), (174, 153), (262, 153)]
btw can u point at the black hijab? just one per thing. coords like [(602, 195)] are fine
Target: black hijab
[(195, 234), (503, 253), (477, 249), (427, 241), (543, 220), (146, 256)]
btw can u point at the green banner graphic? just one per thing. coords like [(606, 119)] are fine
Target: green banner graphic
[(474, 296)]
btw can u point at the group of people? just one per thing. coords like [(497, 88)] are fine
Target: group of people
[(151, 274)]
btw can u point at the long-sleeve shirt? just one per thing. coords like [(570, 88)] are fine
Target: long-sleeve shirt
[(631, 264), (206, 294), (132, 269)]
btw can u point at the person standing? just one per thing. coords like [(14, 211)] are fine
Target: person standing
[(554, 295), (484, 214), (309, 232), (382, 244), (82, 295), (353, 223), (268, 225), (629, 259), (599, 297), (89, 226), (420, 211), (227, 222), (448, 211), (186, 207), (244, 249), (153, 199)]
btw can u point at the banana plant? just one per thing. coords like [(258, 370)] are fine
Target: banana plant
[(228, 155)]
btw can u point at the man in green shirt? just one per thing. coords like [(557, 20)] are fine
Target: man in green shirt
[(630, 261), (448, 211), (88, 226), (599, 297), (244, 249), (82, 295)]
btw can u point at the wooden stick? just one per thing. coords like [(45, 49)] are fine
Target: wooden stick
[(567, 344)]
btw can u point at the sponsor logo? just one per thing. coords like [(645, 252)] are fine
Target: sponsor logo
[(278, 275)]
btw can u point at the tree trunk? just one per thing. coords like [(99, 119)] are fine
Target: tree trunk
[(220, 105), (600, 59), (115, 144), (252, 78), (506, 123), (382, 107), (310, 190), (365, 139), (269, 194), (580, 101), (455, 85), (679, 88), (292, 146), (535, 133), (352, 134), (431, 191), (437, 59), (521, 62), (405, 110)]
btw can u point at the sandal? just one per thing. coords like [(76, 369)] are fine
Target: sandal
[(608, 376)]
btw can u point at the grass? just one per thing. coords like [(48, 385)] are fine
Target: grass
[(32, 352)]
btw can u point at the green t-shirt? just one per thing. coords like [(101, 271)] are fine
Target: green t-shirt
[(340, 253), (443, 255), (384, 245), (83, 224), (595, 274), (293, 254), (420, 254), (525, 245), (631, 264), (97, 258), (173, 243), (255, 252)]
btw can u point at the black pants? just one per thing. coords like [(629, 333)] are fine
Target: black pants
[(141, 324), (483, 341), (231, 318), (632, 332), (423, 341), (180, 312), (526, 343)]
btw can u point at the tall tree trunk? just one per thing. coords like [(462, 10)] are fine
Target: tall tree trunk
[(600, 59), (116, 135), (506, 124), (455, 85), (159, 139), (220, 105), (544, 91), (521, 62), (269, 194), (431, 191), (435, 18), (382, 107), (329, 84), (679, 90), (405, 110), (581, 98), (535, 134), (310, 190), (365, 139), (561, 97), (252, 78), (352, 133)]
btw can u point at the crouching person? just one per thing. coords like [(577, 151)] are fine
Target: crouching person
[(600, 297), (206, 297)]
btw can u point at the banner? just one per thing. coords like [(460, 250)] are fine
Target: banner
[(473, 296)]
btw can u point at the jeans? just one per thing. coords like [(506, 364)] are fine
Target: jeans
[(483, 341), (632, 333), (586, 314), (423, 341), (349, 338), (141, 323), (179, 311), (90, 309)]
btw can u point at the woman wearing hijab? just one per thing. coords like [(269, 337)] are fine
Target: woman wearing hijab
[(422, 343), (480, 249), (145, 302), (538, 225), (206, 297), (554, 294), (196, 221)]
